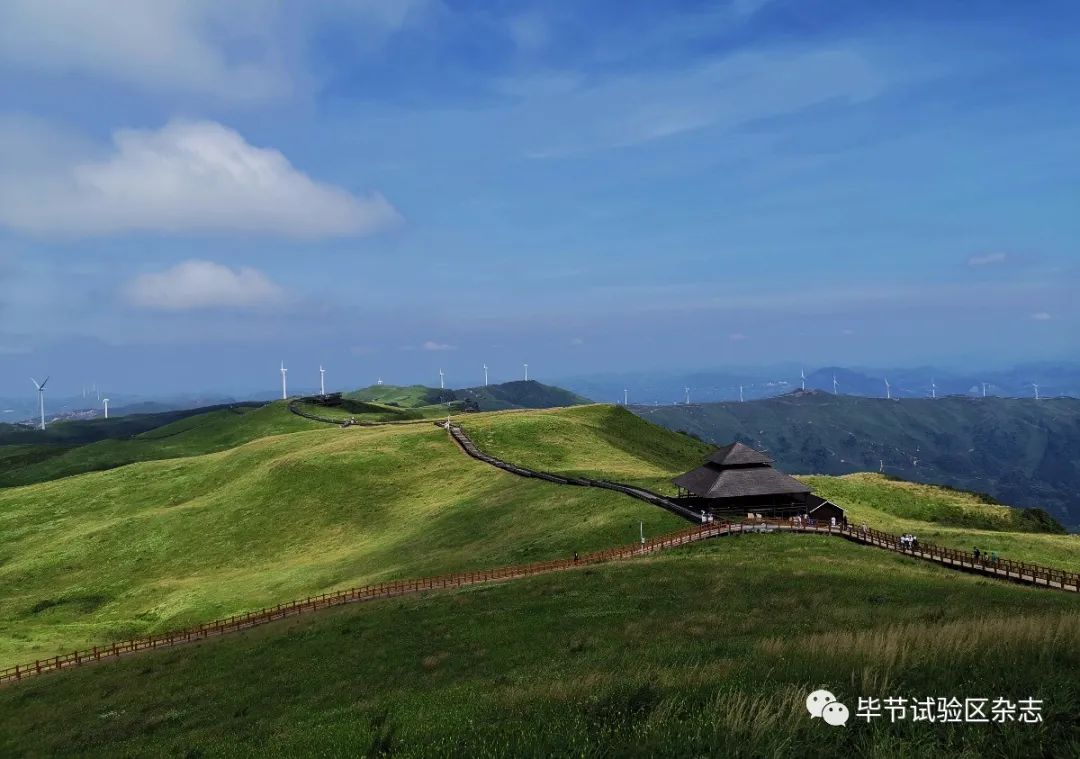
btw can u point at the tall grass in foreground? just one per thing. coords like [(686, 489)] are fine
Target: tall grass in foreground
[(707, 651)]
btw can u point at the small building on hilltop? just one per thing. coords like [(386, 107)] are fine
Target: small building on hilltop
[(736, 479)]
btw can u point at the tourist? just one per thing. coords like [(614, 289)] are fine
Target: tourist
[(576, 557), (976, 553)]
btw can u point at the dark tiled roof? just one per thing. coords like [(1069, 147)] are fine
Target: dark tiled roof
[(710, 481), (738, 454)]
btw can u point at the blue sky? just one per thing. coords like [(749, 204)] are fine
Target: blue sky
[(192, 191)]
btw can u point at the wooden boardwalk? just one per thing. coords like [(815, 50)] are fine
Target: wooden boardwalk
[(1021, 572)]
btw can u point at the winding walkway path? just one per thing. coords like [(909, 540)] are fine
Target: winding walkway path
[(1029, 574), (1016, 571)]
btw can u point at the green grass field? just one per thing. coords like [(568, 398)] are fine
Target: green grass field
[(150, 546), (189, 436), (607, 441), (595, 441), (409, 396), (947, 517), (703, 651), (370, 412)]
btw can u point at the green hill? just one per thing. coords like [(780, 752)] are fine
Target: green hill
[(688, 652), (508, 395), (82, 431), (610, 442), (153, 437), (153, 545), (705, 651), (1021, 452)]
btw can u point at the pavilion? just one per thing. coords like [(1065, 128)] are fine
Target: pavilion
[(737, 479)]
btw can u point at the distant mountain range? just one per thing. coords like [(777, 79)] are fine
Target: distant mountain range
[(1019, 451), (1054, 380), (506, 395)]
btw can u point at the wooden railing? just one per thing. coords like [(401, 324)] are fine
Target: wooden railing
[(1032, 574), (352, 595), (642, 494)]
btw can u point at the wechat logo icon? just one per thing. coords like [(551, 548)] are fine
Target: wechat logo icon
[(822, 703)]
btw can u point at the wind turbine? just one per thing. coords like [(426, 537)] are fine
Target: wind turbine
[(835, 384), (740, 394), (106, 402), (1032, 384), (41, 398), (485, 375), (802, 374), (284, 384), (984, 389), (442, 380), (322, 380), (933, 388), (526, 372), (888, 389), (687, 395)]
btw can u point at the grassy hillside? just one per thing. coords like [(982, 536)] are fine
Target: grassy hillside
[(194, 434), (1021, 452), (596, 441), (507, 395), (610, 442), (82, 431), (411, 396), (368, 411), (155, 545), (947, 517), (707, 651)]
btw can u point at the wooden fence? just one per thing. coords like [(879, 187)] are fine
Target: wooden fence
[(642, 494), (1032, 574), (352, 595)]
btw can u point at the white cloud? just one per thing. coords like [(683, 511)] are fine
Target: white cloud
[(737, 337), (189, 176), (171, 43), (987, 259), (234, 49), (431, 345), (203, 284), (723, 94), (1041, 316)]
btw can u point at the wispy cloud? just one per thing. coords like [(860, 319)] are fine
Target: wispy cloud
[(189, 45), (723, 93), (529, 31), (1042, 316), (189, 176), (432, 345), (987, 259), (199, 284)]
